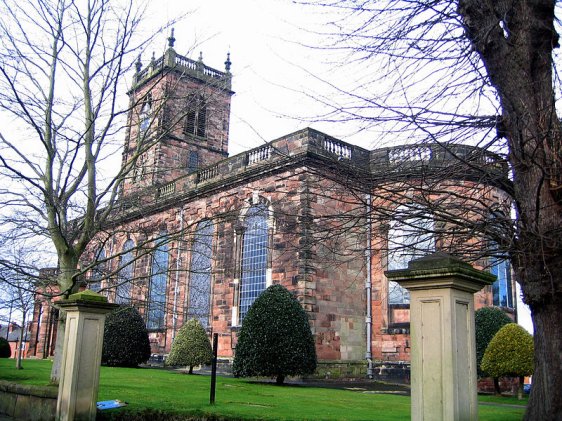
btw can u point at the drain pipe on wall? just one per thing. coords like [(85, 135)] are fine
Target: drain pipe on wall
[(177, 279), (368, 293)]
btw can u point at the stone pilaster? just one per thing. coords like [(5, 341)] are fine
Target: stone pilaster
[(83, 341), (443, 365)]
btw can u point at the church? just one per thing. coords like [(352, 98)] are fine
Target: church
[(197, 233)]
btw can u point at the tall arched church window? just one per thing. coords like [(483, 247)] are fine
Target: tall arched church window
[(410, 236), (200, 273), (502, 288), (157, 287), (196, 116), (254, 257), (125, 276), (145, 114), (98, 271)]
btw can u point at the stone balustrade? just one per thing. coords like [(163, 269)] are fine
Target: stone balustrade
[(461, 161)]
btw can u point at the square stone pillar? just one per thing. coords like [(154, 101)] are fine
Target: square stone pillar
[(443, 354), (81, 357)]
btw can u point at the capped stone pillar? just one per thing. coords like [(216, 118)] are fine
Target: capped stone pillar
[(81, 356), (443, 353)]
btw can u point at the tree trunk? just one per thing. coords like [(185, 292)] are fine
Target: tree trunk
[(545, 401), (279, 379), (497, 389), (520, 388), (67, 285), (19, 350), (190, 369)]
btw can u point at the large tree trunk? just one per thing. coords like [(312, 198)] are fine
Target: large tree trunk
[(515, 40), (545, 401)]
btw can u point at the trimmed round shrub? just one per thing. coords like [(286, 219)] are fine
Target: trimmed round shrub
[(488, 321), (125, 339), (275, 338), (5, 350), (191, 346), (510, 353)]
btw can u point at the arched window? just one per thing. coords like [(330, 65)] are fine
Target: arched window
[(157, 287), (196, 116), (200, 273), (145, 114), (502, 288), (410, 237), (193, 161), (125, 276), (98, 271), (254, 257)]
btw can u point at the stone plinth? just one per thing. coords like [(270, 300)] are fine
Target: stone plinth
[(81, 358), (443, 355)]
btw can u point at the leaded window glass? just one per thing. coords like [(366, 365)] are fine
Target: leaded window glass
[(502, 287), (254, 257), (200, 273), (125, 276), (410, 236), (157, 287)]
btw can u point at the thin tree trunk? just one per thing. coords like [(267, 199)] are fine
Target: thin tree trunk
[(520, 388), (497, 389), (279, 379), (19, 350)]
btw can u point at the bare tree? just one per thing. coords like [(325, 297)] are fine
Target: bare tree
[(18, 290), (63, 67), (472, 72)]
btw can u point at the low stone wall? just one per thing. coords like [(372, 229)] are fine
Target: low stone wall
[(26, 402), (508, 385), (332, 370), (392, 371)]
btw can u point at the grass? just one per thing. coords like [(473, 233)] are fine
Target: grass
[(170, 391)]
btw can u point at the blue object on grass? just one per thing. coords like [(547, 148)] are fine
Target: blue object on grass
[(116, 403)]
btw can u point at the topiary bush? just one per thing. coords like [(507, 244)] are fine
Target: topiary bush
[(510, 353), (5, 350), (191, 346), (275, 338), (125, 339), (488, 321)]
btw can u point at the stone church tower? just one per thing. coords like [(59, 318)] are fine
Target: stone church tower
[(178, 119)]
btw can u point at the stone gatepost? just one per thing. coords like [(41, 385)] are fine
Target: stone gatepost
[(81, 357), (443, 355)]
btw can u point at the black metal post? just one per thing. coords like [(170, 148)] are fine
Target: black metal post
[(214, 367)]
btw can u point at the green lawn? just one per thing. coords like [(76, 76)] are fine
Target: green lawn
[(169, 391)]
